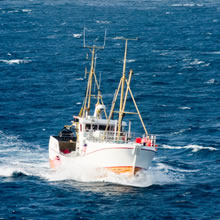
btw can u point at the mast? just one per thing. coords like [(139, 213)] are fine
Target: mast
[(123, 79), (87, 100), (123, 97), (89, 88)]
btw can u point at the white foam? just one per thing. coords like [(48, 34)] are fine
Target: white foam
[(214, 52), (79, 78), (20, 156), (117, 38), (130, 61), (211, 81), (194, 148), (197, 62), (15, 11), (103, 22), (179, 132), (77, 35), (185, 108), (168, 168), (15, 61), (26, 10), (84, 172), (206, 64), (187, 5)]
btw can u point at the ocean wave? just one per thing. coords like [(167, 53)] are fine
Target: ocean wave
[(216, 52), (197, 62), (26, 10), (211, 81), (77, 35), (117, 38), (187, 5), (184, 108), (179, 132), (130, 61), (15, 61), (194, 148), (167, 168), (19, 156), (103, 22), (79, 78)]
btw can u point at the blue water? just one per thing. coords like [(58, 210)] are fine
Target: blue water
[(176, 82)]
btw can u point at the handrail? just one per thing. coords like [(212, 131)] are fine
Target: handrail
[(112, 136)]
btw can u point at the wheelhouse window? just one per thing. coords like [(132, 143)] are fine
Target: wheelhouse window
[(102, 127), (88, 127), (94, 127)]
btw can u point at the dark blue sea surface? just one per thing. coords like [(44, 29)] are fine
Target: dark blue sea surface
[(176, 82)]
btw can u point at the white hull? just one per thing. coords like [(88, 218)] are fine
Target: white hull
[(117, 157)]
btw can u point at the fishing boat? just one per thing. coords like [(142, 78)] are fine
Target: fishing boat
[(104, 141)]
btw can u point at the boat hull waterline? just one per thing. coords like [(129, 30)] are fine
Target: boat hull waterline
[(120, 158)]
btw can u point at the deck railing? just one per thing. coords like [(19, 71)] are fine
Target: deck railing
[(111, 136)]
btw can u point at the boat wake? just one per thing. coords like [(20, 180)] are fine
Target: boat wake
[(156, 175), (15, 61), (195, 148), (18, 156)]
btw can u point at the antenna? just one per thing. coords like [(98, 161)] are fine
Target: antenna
[(84, 37), (95, 62), (104, 39), (100, 76), (94, 46)]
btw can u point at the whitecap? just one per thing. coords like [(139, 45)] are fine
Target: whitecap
[(26, 10), (77, 35), (207, 64), (118, 38), (197, 62), (103, 22), (14, 11), (167, 168), (216, 52), (211, 81), (187, 5), (179, 132), (183, 5), (79, 78), (194, 148), (130, 61), (15, 61), (184, 108)]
